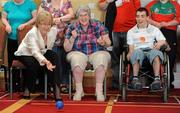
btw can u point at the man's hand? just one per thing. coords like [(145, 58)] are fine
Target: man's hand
[(157, 46), (129, 56)]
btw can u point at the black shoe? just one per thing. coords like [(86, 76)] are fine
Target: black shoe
[(136, 84), (64, 89), (171, 86), (59, 99), (156, 85), (26, 94), (26, 97)]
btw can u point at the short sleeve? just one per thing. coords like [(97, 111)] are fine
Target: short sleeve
[(6, 7), (69, 4), (159, 35), (129, 38), (33, 6)]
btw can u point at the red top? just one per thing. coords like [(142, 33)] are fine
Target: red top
[(170, 11), (126, 13)]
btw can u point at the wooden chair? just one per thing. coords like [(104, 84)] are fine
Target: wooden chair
[(2, 51), (16, 64)]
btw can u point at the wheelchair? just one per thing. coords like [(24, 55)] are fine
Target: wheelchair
[(125, 73)]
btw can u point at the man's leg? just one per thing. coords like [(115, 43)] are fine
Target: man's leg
[(156, 84), (119, 39), (155, 57), (136, 61), (171, 37)]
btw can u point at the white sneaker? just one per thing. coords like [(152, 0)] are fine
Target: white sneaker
[(77, 96), (100, 97)]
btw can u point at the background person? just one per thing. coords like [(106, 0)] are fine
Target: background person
[(62, 13), (120, 17), (165, 15), (16, 15)]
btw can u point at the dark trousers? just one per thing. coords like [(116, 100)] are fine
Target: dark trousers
[(171, 38), (12, 46), (33, 68), (65, 68), (119, 40)]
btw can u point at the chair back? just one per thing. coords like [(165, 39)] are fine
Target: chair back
[(2, 42), (22, 33)]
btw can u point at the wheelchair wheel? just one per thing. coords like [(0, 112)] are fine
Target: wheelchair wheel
[(166, 78), (122, 76)]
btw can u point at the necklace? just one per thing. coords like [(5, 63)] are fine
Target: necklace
[(18, 3)]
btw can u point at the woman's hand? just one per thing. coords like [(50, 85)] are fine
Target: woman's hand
[(74, 33), (8, 29), (57, 21), (49, 66), (101, 41), (21, 27)]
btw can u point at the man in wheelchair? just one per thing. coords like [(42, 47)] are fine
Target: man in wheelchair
[(144, 41)]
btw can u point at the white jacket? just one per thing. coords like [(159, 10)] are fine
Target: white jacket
[(33, 44)]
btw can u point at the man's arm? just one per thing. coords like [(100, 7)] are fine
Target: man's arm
[(131, 50)]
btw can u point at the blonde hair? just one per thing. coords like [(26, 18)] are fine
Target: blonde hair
[(45, 17)]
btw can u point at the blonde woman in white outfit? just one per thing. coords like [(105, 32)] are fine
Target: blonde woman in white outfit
[(35, 52)]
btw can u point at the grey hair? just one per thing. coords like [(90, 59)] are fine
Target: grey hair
[(83, 9)]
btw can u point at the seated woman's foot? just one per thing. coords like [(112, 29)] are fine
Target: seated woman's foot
[(64, 89), (100, 97), (26, 94), (77, 96)]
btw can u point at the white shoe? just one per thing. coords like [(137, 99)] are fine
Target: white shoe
[(77, 96), (100, 97)]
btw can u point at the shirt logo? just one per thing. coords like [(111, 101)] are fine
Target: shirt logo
[(142, 39), (169, 10), (156, 10)]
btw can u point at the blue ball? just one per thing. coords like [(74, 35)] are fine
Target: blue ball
[(59, 104)]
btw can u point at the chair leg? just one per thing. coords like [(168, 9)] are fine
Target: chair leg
[(11, 84), (70, 84), (5, 78), (105, 88), (45, 86)]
